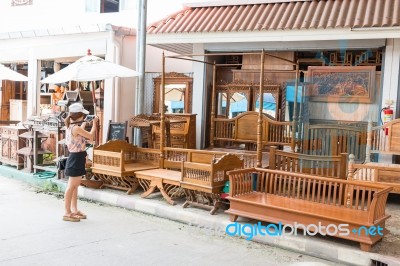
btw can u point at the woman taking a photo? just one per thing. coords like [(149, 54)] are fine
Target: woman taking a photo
[(75, 138)]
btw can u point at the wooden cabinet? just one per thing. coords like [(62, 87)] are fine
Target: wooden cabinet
[(11, 90), (10, 144), (182, 135), (17, 110)]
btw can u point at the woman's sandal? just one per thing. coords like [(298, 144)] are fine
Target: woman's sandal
[(80, 215), (71, 218)]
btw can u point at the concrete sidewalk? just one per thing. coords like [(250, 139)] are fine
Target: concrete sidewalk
[(332, 249)]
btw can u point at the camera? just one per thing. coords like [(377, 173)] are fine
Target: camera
[(89, 118)]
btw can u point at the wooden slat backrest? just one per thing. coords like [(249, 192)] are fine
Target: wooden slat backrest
[(211, 174), (327, 166), (115, 154), (174, 156), (332, 139)]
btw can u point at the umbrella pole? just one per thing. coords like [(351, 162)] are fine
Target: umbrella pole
[(94, 112), (162, 118)]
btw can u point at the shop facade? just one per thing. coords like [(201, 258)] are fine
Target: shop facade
[(315, 34)]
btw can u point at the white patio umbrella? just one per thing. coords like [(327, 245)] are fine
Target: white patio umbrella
[(90, 68), (7, 73)]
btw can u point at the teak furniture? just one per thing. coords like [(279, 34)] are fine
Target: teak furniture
[(384, 139), (203, 182), (243, 129), (200, 173), (116, 162), (333, 139), (327, 166), (173, 78), (279, 196), (10, 144), (180, 130), (164, 180)]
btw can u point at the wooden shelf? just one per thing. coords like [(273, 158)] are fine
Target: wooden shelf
[(28, 151)]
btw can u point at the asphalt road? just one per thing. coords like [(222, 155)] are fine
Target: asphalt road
[(32, 233)]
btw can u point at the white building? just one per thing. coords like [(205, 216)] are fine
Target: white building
[(36, 34)]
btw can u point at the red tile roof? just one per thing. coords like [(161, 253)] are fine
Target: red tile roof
[(314, 14)]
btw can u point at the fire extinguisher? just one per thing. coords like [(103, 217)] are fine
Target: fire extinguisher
[(387, 117)]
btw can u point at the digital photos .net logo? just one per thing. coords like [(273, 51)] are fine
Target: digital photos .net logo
[(251, 230)]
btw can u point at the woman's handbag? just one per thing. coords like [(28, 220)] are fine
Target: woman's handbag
[(61, 163)]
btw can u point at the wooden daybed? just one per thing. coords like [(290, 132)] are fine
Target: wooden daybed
[(279, 196), (200, 174), (115, 164), (381, 140)]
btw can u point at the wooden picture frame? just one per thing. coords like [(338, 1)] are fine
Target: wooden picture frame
[(341, 83)]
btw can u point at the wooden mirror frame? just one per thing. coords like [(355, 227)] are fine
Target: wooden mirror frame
[(173, 78), (275, 90), (230, 89)]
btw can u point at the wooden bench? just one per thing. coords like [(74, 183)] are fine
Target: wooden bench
[(243, 129), (115, 164), (381, 140), (327, 166), (203, 182), (279, 196)]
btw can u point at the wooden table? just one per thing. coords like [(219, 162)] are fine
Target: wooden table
[(167, 181)]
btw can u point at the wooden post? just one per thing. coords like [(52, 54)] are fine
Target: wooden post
[(162, 118), (350, 177), (213, 96), (369, 142), (294, 129), (343, 165), (272, 159), (260, 113), (350, 167)]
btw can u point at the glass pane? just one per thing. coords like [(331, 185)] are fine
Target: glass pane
[(221, 105), (238, 104), (175, 98), (290, 96), (269, 104)]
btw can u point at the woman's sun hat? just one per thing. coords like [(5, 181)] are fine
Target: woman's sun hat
[(77, 108)]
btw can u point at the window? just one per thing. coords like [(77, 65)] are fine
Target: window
[(103, 6), (109, 6)]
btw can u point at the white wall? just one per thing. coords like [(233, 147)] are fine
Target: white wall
[(391, 72), (154, 60)]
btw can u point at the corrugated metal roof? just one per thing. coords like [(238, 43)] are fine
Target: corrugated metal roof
[(300, 15)]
